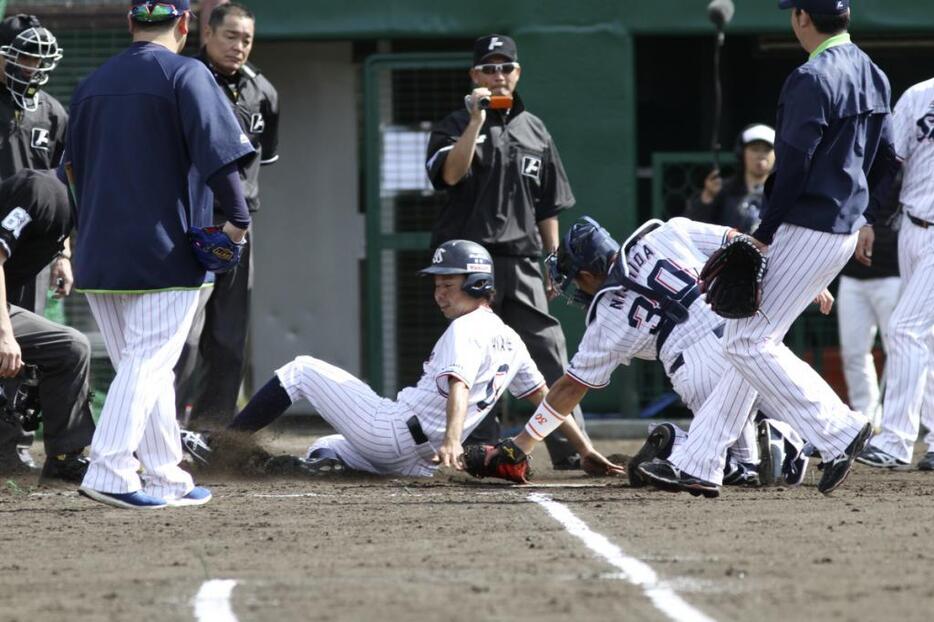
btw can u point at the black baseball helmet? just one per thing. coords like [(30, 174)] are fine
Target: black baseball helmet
[(30, 53), (464, 257), (585, 246)]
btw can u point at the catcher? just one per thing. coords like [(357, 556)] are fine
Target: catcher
[(476, 359), (645, 302)]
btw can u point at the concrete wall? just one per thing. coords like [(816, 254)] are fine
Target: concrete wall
[(309, 233)]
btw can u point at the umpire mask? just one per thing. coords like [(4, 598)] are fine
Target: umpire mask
[(30, 59)]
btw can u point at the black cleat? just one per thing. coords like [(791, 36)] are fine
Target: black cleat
[(658, 444), (875, 457), (666, 476), (69, 468), (195, 446), (835, 472), (927, 462)]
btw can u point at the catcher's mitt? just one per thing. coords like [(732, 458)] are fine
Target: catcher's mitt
[(214, 248), (504, 460), (732, 278)]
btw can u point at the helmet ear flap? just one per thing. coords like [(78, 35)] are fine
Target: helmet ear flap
[(478, 285)]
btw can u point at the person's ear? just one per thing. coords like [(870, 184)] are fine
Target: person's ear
[(184, 24)]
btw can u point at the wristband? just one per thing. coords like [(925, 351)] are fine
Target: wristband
[(544, 421)]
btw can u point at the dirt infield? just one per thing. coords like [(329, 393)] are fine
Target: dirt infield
[(456, 549)]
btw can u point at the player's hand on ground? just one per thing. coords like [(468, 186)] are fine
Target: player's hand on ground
[(450, 454), (11, 357), (864, 245), (61, 278), (594, 463), (713, 184), (825, 301)]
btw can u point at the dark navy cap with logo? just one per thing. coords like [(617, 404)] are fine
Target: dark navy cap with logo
[(494, 45), (817, 7), (155, 11)]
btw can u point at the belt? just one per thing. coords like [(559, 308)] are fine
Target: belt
[(919, 222), (679, 360), (415, 429)]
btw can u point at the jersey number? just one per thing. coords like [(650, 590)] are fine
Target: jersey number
[(494, 388), (15, 221), (669, 281)]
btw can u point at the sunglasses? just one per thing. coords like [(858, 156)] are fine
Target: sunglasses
[(503, 68)]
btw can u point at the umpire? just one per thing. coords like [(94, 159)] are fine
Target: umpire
[(33, 122), (506, 186), (219, 332), (35, 220)]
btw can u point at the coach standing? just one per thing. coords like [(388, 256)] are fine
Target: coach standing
[(150, 131), (219, 331), (506, 186), (833, 145)]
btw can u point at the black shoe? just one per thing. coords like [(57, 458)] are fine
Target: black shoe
[(570, 463), (927, 462), (836, 471), (658, 444), (741, 474), (69, 468), (875, 457), (196, 447), (666, 476)]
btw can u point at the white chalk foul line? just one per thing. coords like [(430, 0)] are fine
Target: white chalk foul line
[(212, 603), (632, 570)]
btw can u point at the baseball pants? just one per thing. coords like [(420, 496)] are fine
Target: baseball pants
[(802, 262), (213, 361), (863, 309), (908, 374), (522, 304), (143, 334), (372, 435)]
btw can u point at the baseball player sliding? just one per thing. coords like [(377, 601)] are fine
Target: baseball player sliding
[(643, 302), (476, 359)]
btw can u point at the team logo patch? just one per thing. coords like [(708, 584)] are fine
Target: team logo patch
[(438, 257), (40, 138), (485, 268), (495, 42), (257, 123), (532, 167), (16, 220)]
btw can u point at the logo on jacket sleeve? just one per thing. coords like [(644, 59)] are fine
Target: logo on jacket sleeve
[(40, 138), (532, 167), (257, 123)]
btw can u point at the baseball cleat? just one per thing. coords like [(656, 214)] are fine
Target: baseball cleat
[(837, 470), (70, 468), (875, 457), (195, 445), (196, 496), (658, 444), (740, 473), (795, 465), (927, 462), (771, 453), (665, 476), (126, 500)]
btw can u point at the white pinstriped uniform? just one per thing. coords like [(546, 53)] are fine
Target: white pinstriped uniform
[(622, 327), (802, 262), (909, 391), (477, 348), (144, 335)]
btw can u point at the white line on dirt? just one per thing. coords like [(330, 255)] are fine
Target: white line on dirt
[(212, 604), (291, 495), (632, 570)]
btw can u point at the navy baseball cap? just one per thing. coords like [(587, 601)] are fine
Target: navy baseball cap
[(494, 45), (15, 24), (817, 7), (155, 11)]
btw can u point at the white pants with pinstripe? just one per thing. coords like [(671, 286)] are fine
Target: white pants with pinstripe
[(909, 373), (802, 262), (144, 334), (372, 435)]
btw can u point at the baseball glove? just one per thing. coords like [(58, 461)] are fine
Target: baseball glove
[(732, 278), (214, 248), (504, 460)]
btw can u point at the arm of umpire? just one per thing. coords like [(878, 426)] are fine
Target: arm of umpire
[(11, 357), (554, 408), (228, 191)]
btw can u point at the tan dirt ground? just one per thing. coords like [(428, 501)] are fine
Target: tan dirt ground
[(452, 548)]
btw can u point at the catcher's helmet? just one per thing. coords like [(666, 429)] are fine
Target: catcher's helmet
[(31, 53), (585, 246), (464, 257)]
